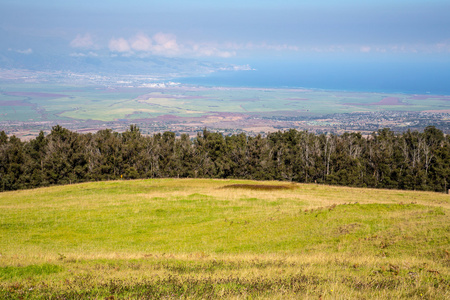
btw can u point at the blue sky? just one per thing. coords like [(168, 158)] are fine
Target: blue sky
[(227, 29), (396, 45)]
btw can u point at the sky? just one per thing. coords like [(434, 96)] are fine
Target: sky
[(235, 31), (228, 28)]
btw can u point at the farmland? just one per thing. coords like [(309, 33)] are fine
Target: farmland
[(199, 238), (25, 109)]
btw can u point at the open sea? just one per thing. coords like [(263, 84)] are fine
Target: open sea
[(383, 77)]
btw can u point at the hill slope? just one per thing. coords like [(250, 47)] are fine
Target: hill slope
[(223, 238)]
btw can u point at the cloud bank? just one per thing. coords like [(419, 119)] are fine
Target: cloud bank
[(168, 45), (164, 44), (159, 44), (119, 45)]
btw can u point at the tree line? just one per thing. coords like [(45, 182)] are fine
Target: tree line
[(410, 160)]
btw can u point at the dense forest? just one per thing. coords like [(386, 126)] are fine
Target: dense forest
[(411, 160)]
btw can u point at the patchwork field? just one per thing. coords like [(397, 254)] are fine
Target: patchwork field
[(193, 238), (43, 102), (26, 109)]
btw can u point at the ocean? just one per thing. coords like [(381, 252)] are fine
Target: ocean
[(409, 77)]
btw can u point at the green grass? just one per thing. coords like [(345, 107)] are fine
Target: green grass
[(12, 272), (186, 238)]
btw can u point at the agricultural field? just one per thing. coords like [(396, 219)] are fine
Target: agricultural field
[(49, 102), (187, 109), (199, 238)]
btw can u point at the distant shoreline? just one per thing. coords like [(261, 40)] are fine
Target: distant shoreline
[(198, 82)]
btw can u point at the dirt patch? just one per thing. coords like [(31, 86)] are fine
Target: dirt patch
[(15, 103), (389, 101), (168, 117), (348, 228), (260, 186)]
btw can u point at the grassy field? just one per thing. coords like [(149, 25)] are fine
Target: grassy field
[(187, 238)]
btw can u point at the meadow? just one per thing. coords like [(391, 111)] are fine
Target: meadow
[(235, 239)]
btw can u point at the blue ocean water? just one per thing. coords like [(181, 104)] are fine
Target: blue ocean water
[(409, 77)]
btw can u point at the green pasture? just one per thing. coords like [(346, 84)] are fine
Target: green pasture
[(199, 238), (14, 113), (108, 104)]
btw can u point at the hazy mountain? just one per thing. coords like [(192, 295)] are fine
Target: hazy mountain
[(106, 63)]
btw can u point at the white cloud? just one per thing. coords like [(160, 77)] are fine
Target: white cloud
[(79, 54), (243, 68), (160, 44), (262, 46), (166, 44), (365, 49), (83, 41), (141, 42), (119, 45), (238, 68), (282, 47), (26, 51), (440, 47)]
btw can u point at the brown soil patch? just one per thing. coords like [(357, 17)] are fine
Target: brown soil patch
[(168, 117), (389, 101), (260, 186)]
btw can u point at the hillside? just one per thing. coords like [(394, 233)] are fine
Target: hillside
[(202, 238)]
